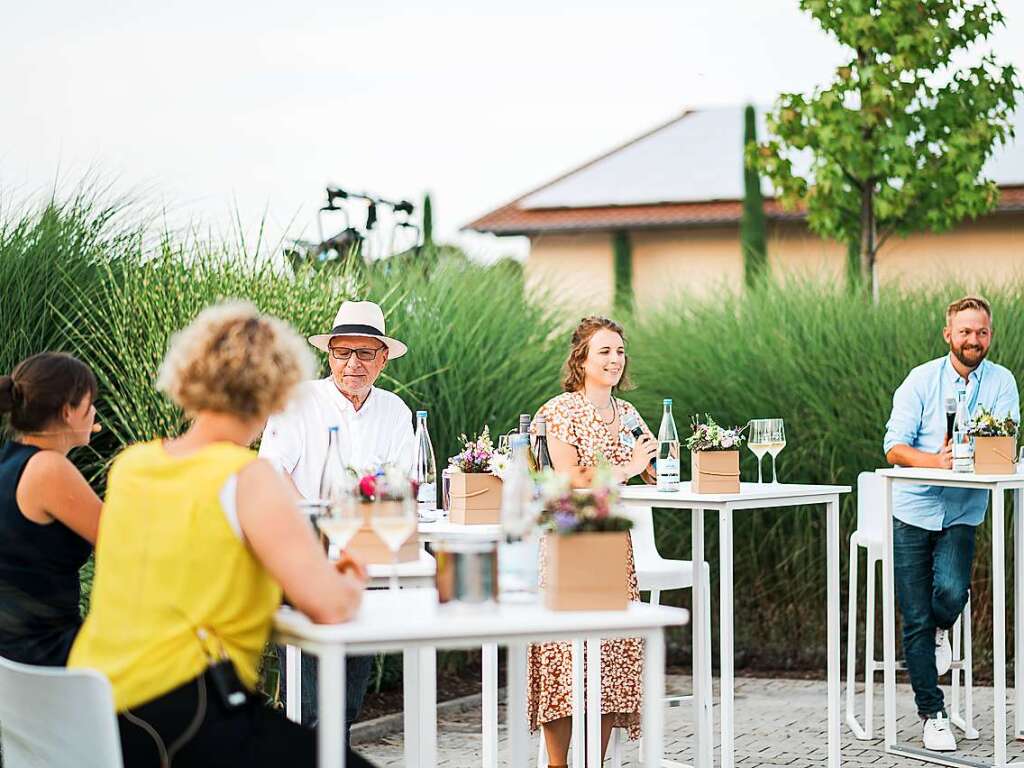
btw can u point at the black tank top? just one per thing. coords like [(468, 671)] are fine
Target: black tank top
[(39, 565)]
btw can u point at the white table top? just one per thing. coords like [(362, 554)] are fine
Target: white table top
[(397, 619), (926, 475), (749, 492)]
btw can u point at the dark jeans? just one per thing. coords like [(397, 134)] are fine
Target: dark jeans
[(251, 736), (933, 576), (357, 678)]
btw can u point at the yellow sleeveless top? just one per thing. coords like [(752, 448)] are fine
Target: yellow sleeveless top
[(169, 564)]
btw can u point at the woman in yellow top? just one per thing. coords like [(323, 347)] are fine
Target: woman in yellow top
[(197, 541)]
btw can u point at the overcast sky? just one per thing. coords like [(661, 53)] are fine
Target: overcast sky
[(204, 108)]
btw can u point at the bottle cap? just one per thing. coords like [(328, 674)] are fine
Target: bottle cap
[(421, 414), (333, 428), (667, 401)]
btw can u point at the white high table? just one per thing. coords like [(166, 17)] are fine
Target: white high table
[(996, 485), (394, 621), (751, 496)]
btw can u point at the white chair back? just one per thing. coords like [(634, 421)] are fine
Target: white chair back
[(642, 534), (53, 716), (870, 503)]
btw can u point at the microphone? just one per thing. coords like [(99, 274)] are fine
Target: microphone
[(950, 417), (632, 423)]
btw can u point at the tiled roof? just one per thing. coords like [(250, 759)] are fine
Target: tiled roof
[(682, 173), (513, 220)]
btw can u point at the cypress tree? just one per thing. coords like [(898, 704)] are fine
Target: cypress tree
[(752, 227), (623, 256)]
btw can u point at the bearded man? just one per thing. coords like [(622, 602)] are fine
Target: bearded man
[(933, 527)]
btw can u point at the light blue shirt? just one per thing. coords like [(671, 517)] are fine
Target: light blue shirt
[(918, 419)]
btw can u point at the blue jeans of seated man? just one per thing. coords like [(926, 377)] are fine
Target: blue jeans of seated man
[(933, 575), (357, 679)]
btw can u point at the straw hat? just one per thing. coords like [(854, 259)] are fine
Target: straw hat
[(360, 318)]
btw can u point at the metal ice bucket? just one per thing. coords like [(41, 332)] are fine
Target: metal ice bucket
[(467, 573)]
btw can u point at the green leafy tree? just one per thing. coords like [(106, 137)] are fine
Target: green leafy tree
[(897, 141), (752, 227)]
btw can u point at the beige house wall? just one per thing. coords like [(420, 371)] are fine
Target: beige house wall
[(573, 269), (670, 262), (666, 263), (796, 252), (984, 252)]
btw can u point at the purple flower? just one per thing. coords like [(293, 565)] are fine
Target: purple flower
[(565, 522)]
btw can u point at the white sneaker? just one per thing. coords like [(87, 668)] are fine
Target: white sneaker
[(943, 652), (938, 736)]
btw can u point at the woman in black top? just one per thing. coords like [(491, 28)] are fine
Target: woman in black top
[(49, 515)]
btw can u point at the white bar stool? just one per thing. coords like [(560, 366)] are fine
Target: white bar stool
[(869, 536), (654, 574)]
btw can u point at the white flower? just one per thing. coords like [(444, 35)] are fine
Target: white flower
[(499, 465), (454, 469), (727, 440)]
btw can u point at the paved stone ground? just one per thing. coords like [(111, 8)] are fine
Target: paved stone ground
[(779, 723)]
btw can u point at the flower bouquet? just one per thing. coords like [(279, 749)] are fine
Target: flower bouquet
[(474, 485), (714, 456), (586, 544), (995, 443)]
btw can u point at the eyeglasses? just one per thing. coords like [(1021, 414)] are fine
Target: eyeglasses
[(365, 355)]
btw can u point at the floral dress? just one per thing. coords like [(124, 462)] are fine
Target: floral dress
[(573, 419)]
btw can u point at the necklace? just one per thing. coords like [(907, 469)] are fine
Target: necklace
[(610, 407)]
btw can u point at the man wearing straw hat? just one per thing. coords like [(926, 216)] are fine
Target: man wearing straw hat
[(934, 527), (375, 429)]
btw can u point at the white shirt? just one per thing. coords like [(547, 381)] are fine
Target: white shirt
[(295, 440)]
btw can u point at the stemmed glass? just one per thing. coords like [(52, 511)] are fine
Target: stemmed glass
[(393, 515), (776, 442), (340, 516), (757, 441)]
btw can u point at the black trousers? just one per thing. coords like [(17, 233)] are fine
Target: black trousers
[(190, 727)]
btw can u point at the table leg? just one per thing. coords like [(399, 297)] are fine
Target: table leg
[(489, 704), (412, 710), (293, 683), (999, 627), (653, 716), (888, 618), (518, 728), (725, 609), (1018, 613), (833, 632), (332, 707), (702, 696), (428, 708), (593, 750), (578, 706)]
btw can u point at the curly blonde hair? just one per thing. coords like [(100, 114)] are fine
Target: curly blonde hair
[(579, 347), (233, 359)]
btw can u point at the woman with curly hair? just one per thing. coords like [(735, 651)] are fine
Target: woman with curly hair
[(198, 540), (584, 423)]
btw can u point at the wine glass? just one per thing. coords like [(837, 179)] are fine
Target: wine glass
[(393, 514), (776, 442), (757, 441), (340, 517)]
